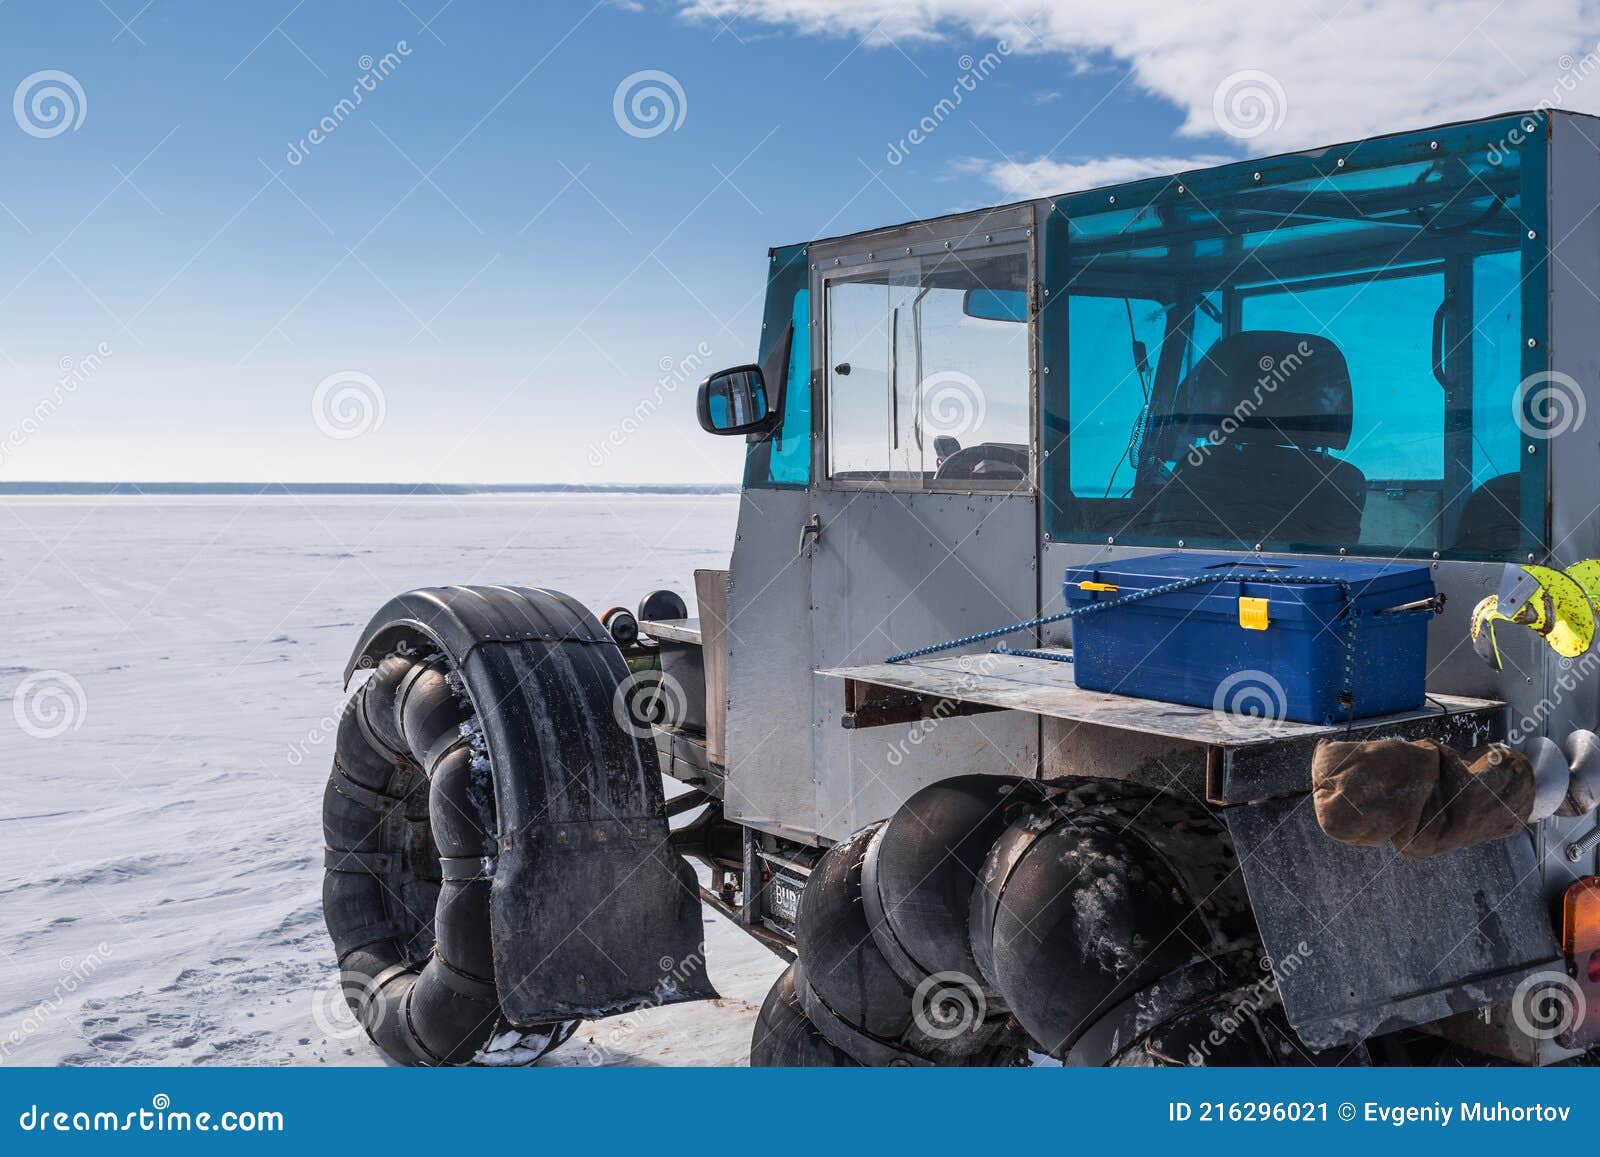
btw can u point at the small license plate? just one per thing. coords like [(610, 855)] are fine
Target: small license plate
[(783, 897)]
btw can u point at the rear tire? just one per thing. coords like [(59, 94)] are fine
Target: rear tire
[(785, 1036)]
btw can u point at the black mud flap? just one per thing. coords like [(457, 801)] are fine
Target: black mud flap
[(1365, 942), (592, 913)]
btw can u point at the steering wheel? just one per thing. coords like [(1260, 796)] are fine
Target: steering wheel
[(999, 460)]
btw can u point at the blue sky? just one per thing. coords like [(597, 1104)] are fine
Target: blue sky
[(483, 245)]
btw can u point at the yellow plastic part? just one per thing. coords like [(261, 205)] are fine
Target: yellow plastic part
[(1566, 616), (1094, 586), (1253, 614)]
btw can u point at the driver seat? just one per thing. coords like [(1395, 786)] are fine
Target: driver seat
[(1251, 430)]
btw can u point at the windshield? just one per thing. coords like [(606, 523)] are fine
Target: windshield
[(1318, 364)]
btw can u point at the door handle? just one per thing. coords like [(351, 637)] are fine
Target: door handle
[(812, 532)]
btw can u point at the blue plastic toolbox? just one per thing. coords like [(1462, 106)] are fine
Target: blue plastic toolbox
[(1284, 649)]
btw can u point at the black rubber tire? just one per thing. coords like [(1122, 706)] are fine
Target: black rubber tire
[(662, 606), (921, 871), (844, 965), (857, 999), (785, 1037), (1089, 917), (410, 829)]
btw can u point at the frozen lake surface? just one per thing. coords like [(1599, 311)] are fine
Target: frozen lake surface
[(171, 658)]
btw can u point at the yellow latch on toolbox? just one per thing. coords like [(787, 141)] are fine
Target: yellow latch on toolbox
[(1094, 586), (1253, 614)]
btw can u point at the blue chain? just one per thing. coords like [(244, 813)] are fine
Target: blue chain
[(1349, 614), (1126, 600)]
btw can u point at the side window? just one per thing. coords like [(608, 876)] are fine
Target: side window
[(783, 458), (1115, 342), (928, 364), (859, 406), (790, 463), (1286, 379)]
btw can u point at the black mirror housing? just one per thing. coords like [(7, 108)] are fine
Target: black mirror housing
[(735, 401)]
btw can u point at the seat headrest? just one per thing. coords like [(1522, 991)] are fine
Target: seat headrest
[(1286, 389)]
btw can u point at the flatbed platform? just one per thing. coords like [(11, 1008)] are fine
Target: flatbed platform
[(672, 630), (1247, 757)]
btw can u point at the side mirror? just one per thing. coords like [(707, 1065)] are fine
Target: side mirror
[(735, 402), (996, 304)]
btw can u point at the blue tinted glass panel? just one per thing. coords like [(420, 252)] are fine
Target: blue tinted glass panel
[(1331, 353), (791, 449), (783, 458)]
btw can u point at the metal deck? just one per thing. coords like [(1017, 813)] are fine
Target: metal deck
[(1247, 758), (672, 630)]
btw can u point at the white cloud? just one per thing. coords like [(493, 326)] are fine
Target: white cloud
[(1346, 68), (1043, 177)]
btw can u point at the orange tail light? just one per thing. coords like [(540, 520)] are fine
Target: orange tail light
[(1580, 919)]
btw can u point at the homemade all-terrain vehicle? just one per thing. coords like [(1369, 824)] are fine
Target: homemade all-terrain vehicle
[(1090, 552)]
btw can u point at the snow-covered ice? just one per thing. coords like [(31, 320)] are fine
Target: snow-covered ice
[(173, 668)]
